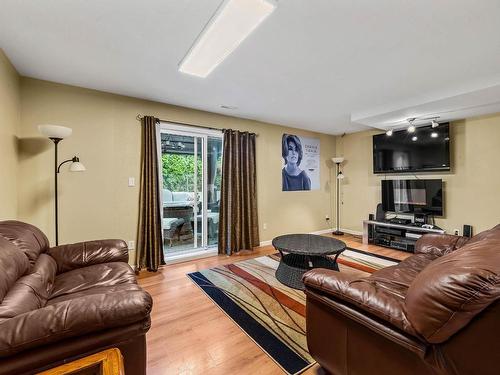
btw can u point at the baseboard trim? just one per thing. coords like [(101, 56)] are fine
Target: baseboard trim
[(196, 254), (322, 231), (265, 243), (353, 232)]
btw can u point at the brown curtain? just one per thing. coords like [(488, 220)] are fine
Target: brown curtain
[(149, 238), (238, 225)]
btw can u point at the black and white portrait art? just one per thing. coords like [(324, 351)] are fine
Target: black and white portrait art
[(300, 163)]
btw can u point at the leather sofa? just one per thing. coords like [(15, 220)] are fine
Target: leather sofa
[(436, 312), (62, 303)]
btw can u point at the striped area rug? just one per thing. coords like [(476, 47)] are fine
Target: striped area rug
[(270, 313)]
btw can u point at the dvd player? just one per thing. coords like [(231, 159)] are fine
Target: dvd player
[(391, 231), (400, 221)]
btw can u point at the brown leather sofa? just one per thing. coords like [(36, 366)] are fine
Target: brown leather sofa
[(437, 312), (62, 303)]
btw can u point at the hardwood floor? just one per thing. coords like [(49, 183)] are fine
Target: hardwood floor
[(191, 335)]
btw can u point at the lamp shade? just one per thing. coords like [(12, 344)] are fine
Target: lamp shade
[(54, 131), (338, 159), (76, 166)]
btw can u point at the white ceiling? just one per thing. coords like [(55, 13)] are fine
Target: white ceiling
[(332, 66)]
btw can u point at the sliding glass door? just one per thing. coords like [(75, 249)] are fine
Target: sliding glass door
[(191, 177)]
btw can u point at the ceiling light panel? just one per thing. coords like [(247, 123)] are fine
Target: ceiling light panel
[(230, 25)]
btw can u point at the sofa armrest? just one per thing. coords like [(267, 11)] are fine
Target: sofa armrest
[(346, 311), (438, 244), (72, 318), (360, 293), (82, 254)]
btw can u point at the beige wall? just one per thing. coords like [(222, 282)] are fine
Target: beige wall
[(106, 135), (471, 189), (10, 111)]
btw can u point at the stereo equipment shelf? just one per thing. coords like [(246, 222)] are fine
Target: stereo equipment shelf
[(396, 236)]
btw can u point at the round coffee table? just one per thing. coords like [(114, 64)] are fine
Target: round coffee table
[(303, 252)]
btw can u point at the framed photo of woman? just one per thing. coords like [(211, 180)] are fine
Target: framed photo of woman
[(300, 163)]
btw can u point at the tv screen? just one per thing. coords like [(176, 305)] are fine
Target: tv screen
[(427, 149), (413, 196)]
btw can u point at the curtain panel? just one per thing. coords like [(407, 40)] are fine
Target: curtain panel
[(149, 237), (238, 223)]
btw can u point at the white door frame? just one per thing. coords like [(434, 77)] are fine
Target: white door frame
[(203, 134)]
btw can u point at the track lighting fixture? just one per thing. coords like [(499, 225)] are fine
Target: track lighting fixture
[(411, 127), (434, 124), (389, 132)]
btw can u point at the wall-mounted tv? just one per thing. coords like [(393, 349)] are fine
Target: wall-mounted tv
[(413, 196), (426, 149)]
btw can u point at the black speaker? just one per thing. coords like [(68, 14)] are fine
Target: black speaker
[(420, 218), (370, 227), (380, 216), (467, 230)]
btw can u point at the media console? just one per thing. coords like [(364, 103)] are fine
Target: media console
[(396, 236)]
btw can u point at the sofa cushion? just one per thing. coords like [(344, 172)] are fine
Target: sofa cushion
[(27, 238), (167, 195), (83, 254), (127, 287), (81, 279), (13, 264), (32, 291), (73, 318), (171, 222), (182, 196), (364, 293), (398, 278), (453, 289)]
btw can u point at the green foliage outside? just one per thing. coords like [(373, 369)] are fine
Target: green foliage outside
[(178, 172)]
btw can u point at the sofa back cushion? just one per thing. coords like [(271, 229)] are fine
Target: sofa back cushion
[(13, 265), (455, 288), (30, 291), (167, 195), (27, 238)]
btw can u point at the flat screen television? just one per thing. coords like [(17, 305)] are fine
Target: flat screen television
[(413, 196), (427, 149)]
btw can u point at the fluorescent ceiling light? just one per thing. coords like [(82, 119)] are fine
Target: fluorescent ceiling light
[(230, 25)]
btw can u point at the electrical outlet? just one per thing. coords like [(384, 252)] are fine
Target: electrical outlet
[(456, 232), (131, 181), (131, 245), (327, 217), (264, 226)]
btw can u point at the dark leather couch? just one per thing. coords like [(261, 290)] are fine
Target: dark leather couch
[(437, 312), (61, 303)]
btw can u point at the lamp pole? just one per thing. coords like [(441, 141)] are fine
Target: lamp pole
[(56, 134), (56, 208), (338, 177)]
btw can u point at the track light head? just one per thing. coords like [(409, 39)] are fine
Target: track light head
[(388, 132), (434, 124), (411, 128)]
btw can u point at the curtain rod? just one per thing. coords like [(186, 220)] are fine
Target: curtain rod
[(139, 118)]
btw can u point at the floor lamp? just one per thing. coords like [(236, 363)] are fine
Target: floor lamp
[(56, 134), (338, 176)]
